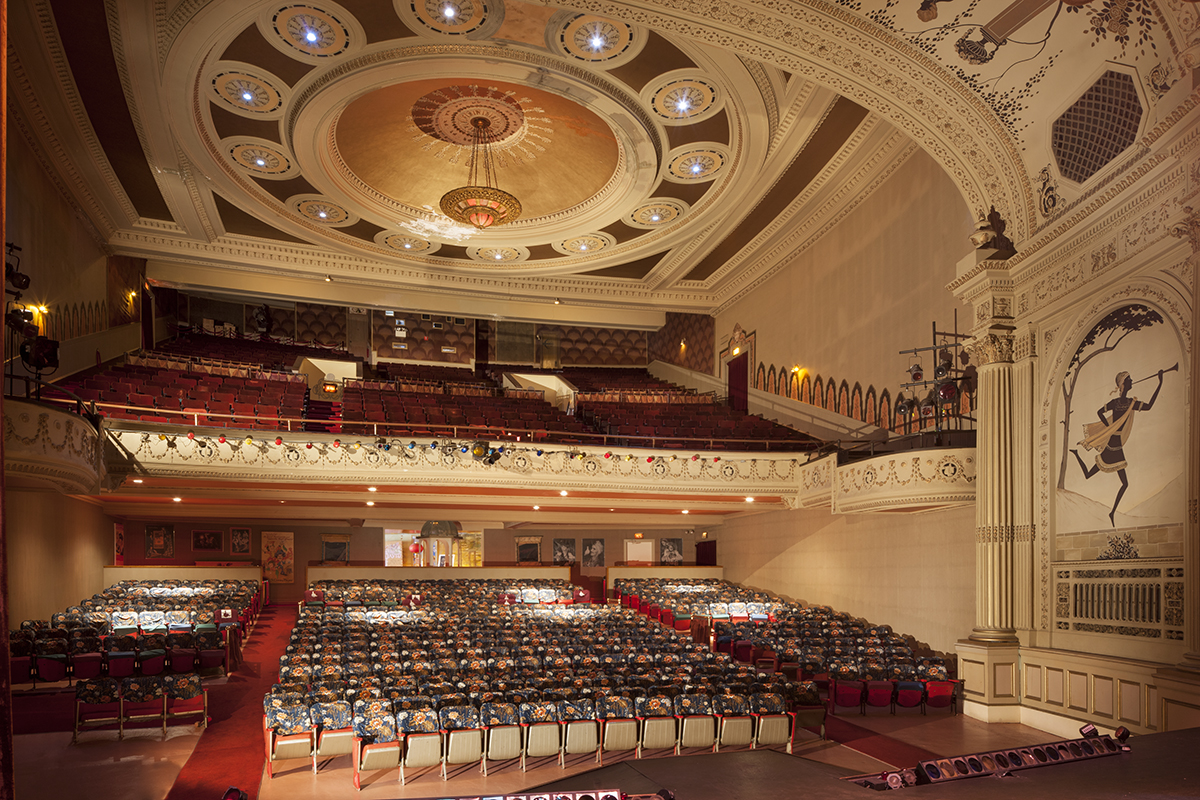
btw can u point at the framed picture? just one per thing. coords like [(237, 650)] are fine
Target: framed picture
[(239, 541), (593, 552), (670, 552), (119, 544), (160, 541), (209, 541), (564, 551), (529, 552), (335, 551), (278, 557)]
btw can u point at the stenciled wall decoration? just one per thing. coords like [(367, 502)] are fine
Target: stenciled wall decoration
[(1120, 449), (278, 557)]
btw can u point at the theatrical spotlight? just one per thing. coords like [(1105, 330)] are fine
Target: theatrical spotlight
[(21, 321), (916, 373), (904, 405), (480, 450)]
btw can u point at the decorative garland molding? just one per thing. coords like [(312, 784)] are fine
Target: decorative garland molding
[(49, 446), (924, 480)]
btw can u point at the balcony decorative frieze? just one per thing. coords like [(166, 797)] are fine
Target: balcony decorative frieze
[(167, 451), (816, 483), (45, 446), (919, 480)]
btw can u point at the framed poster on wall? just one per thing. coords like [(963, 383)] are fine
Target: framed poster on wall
[(564, 551), (593, 552), (278, 557), (239, 541), (208, 541), (119, 544), (160, 541), (670, 552)]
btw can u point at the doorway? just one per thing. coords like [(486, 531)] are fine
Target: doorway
[(738, 378), (639, 551)]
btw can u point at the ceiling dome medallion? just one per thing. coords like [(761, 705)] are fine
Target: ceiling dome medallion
[(260, 159), (402, 243), (594, 39), (320, 209), (656, 212), (311, 31), (684, 100), (585, 244), (247, 94), (451, 17), (497, 255), (696, 163)]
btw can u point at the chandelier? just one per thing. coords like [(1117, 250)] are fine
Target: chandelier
[(481, 203)]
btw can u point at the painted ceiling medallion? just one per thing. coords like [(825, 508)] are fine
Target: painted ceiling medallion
[(403, 243), (312, 32), (585, 244), (656, 212), (261, 159), (246, 93), (447, 115), (321, 209), (451, 17), (683, 100), (497, 255), (696, 163), (593, 39)]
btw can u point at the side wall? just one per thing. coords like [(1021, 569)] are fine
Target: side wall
[(869, 288), (57, 549), (915, 572)]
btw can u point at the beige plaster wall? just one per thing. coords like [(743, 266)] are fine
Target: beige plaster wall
[(499, 546), (915, 572), (867, 289), (57, 549), (57, 251)]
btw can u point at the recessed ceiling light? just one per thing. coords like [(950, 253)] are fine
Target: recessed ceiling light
[(311, 35), (137, 480), (696, 168), (655, 217), (499, 256), (323, 215), (370, 502), (685, 511), (535, 508), (247, 96), (749, 499), (563, 492), (408, 245), (371, 489), (262, 162), (177, 499), (682, 104), (448, 12), (583, 246)]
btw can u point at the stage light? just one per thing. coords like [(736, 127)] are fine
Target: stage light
[(337, 442), (191, 435), (278, 440), (1089, 731), (915, 372), (941, 370), (21, 321), (40, 353), (1121, 734), (221, 438), (18, 279), (904, 405)]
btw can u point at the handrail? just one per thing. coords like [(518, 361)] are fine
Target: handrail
[(460, 432), (81, 407)]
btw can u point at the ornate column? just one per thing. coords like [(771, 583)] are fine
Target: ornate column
[(988, 659), (992, 355)]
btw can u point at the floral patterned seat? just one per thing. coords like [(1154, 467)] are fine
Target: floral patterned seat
[(97, 703)]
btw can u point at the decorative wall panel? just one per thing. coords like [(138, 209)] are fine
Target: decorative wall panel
[(321, 324), (439, 338), (686, 340)]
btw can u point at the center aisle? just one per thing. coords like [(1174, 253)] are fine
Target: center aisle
[(231, 752)]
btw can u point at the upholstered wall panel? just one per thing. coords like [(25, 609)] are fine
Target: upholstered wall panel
[(125, 276), (599, 347), (283, 322), (686, 340), (321, 324)]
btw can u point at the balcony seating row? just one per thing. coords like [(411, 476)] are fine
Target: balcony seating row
[(101, 702)]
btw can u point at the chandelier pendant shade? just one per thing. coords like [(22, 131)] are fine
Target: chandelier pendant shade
[(481, 203)]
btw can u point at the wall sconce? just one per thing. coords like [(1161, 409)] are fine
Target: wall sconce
[(737, 350), (638, 535)]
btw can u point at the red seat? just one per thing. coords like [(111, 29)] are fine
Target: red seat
[(942, 694), (879, 694), (847, 694)]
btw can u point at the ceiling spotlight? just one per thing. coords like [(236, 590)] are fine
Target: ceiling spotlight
[(684, 511), (408, 245), (655, 217), (177, 499), (749, 499), (137, 480), (696, 168), (557, 301), (311, 35), (563, 492), (262, 162), (370, 502), (682, 104), (322, 214), (328, 279), (535, 508), (449, 12), (499, 256), (247, 96), (372, 489)]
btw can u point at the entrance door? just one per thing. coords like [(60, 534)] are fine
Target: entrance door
[(738, 380)]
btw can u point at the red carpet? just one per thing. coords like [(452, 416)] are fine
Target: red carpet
[(230, 752), (884, 748)]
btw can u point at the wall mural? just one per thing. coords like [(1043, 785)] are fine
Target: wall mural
[(1120, 448)]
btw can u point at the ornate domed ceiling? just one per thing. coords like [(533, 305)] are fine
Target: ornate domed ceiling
[(664, 157)]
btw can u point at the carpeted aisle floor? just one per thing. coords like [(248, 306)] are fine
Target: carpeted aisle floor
[(223, 757), (876, 745)]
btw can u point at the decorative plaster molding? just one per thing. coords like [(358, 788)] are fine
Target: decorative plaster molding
[(990, 348), (926, 480), (767, 91), (816, 483), (1004, 534), (260, 459), (53, 446)]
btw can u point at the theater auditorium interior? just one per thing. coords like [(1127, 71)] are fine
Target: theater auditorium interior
[(489, 398)]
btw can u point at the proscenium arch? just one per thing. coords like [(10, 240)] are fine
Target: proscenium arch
[(832, 47), (873, 67)]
